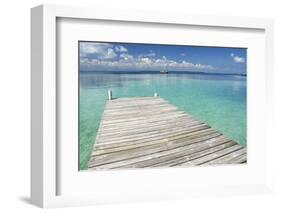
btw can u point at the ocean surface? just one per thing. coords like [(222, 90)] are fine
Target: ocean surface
[(218, 100)]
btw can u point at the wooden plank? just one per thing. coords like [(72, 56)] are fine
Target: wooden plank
[(147, 124), (195, 155), (159, 124), (227, 159), (142, 118), (140, 111), (185, 151), (152, 142), (169, 136), (148, 157), (146, 150), (155, 134), (143, 132), (239, 159), (212, 156)]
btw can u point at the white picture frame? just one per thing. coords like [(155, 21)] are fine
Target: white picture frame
[(45, 169)]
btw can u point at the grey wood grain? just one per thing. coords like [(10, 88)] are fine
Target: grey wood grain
[(141, 132)]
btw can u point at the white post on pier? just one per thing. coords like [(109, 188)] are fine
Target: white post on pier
[(109, 92), (155, 94)]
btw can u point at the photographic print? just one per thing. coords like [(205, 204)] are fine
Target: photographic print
[(160, 105)]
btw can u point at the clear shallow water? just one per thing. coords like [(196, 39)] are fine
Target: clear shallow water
[(218, 100)]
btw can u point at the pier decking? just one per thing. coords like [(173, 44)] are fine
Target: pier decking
[(149, 132)]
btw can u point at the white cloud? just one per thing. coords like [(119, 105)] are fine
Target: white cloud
[(120, 49), (183, 54), (109, 54), (127, 61), (237, 59), (146, 60), (103, 56), (126, 56), (100, 50)]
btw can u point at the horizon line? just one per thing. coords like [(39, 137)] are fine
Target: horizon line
[(157, 71)]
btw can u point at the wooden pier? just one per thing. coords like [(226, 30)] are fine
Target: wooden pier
[(149, 132)]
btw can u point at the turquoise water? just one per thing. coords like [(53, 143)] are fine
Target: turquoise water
[(218, 100)]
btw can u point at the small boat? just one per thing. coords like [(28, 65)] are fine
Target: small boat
[(163, 71)]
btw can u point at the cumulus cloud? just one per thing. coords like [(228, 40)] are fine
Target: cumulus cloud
[(126, 56), (107, 56), (100, 50), (237, 59), (120, 48), (127, 62)]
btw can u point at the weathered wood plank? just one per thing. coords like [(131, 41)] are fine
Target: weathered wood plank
[(125, 136), (143, 132), (146, 150), (210, 157), (142, 118), (143, 126), (239, 159), (195, 155), (167, 137), (227, 159), (148, 157), (111, 149), (154, 134), (172, 154)]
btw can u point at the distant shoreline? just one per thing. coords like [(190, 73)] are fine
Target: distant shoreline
[(158, 72)]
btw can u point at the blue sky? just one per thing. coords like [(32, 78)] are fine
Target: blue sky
[(97, 56)]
